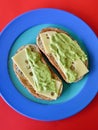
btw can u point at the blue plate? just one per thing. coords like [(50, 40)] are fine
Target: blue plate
[(23, 30)]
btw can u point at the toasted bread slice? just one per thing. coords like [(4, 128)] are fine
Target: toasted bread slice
[(51, 57), (24, 81)]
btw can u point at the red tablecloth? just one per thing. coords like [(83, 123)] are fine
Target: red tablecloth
[(87, 119)]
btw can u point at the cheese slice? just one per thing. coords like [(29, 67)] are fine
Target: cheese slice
[(20, 60), (55, 95), (80, 68), (45, 39)]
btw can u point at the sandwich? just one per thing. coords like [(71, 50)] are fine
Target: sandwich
[(34, 74), (64, 53)]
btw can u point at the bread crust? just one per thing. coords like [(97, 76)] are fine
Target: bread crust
[(50, 56), (26, 83)]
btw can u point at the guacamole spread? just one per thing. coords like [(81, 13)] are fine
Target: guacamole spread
[(41, 73), (66, 51)]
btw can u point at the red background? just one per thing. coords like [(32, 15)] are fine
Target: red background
[(87, 119)]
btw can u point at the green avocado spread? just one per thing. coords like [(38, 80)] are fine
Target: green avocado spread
[(66, 52), (41, 73)]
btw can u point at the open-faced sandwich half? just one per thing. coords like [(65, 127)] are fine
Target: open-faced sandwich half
[(64, 53), (34, 73)]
